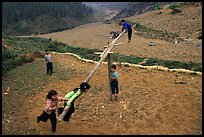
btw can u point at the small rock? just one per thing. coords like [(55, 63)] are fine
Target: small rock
[(7, 89), (180, 82), (151, 44), (85, 118), (120, 116)]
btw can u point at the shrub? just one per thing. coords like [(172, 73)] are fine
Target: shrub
[(174, 9)]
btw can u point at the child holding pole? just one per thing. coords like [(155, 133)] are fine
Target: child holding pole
[(72, 96), (50, 108)]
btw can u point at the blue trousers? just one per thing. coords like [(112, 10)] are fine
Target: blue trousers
[(49, 68), (114, 87)]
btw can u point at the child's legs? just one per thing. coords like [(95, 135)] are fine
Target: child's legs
[(116, 87), (51, 67), (53, 121), (47, 65), (113, 87), (43, 117), (69, 113)]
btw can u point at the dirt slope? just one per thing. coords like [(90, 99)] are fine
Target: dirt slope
[(186, 23), (96, 35), (150, 102)]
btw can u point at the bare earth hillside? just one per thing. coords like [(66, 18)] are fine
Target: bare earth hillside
[(186, 24), (150, 102)]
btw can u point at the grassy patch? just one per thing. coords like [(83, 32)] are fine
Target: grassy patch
[(156, 34), (34, 76), (174, 64), (13, 58), (127, 58)]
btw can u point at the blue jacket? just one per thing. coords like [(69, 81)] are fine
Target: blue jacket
[(127, 26)]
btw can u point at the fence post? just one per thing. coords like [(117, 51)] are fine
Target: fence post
[(109, 74)]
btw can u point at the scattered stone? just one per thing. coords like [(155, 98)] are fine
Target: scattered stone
[(151, 44), (85, 118), (7, 121), (120, 116), (180, 82), (7, 89), (11, 112)]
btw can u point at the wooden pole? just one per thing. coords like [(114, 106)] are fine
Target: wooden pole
[(103, 56), (109, 75)]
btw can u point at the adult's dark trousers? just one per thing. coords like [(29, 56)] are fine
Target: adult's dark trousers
[(49, 68), (129, 34), (53, 120)]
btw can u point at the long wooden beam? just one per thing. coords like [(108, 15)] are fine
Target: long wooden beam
[(103, 56)]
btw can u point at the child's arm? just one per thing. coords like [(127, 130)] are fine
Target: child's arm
[(76, 95), (45, 58), (62, 99)]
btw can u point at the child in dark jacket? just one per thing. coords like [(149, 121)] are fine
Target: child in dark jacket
[(50, 108)]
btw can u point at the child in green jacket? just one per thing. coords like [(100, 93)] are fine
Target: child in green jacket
[(72, 96)]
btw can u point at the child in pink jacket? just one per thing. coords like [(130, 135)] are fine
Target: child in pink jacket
[(50, 108)]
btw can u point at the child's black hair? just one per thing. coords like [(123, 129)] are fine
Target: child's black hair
[(51, 93), (113, 66), (122, 21), (83, 86)]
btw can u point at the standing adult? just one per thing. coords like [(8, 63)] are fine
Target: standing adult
[(128, 29)]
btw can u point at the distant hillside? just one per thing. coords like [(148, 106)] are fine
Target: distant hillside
[(111, 5), (25, 18), (134, 8), (187, 23)]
